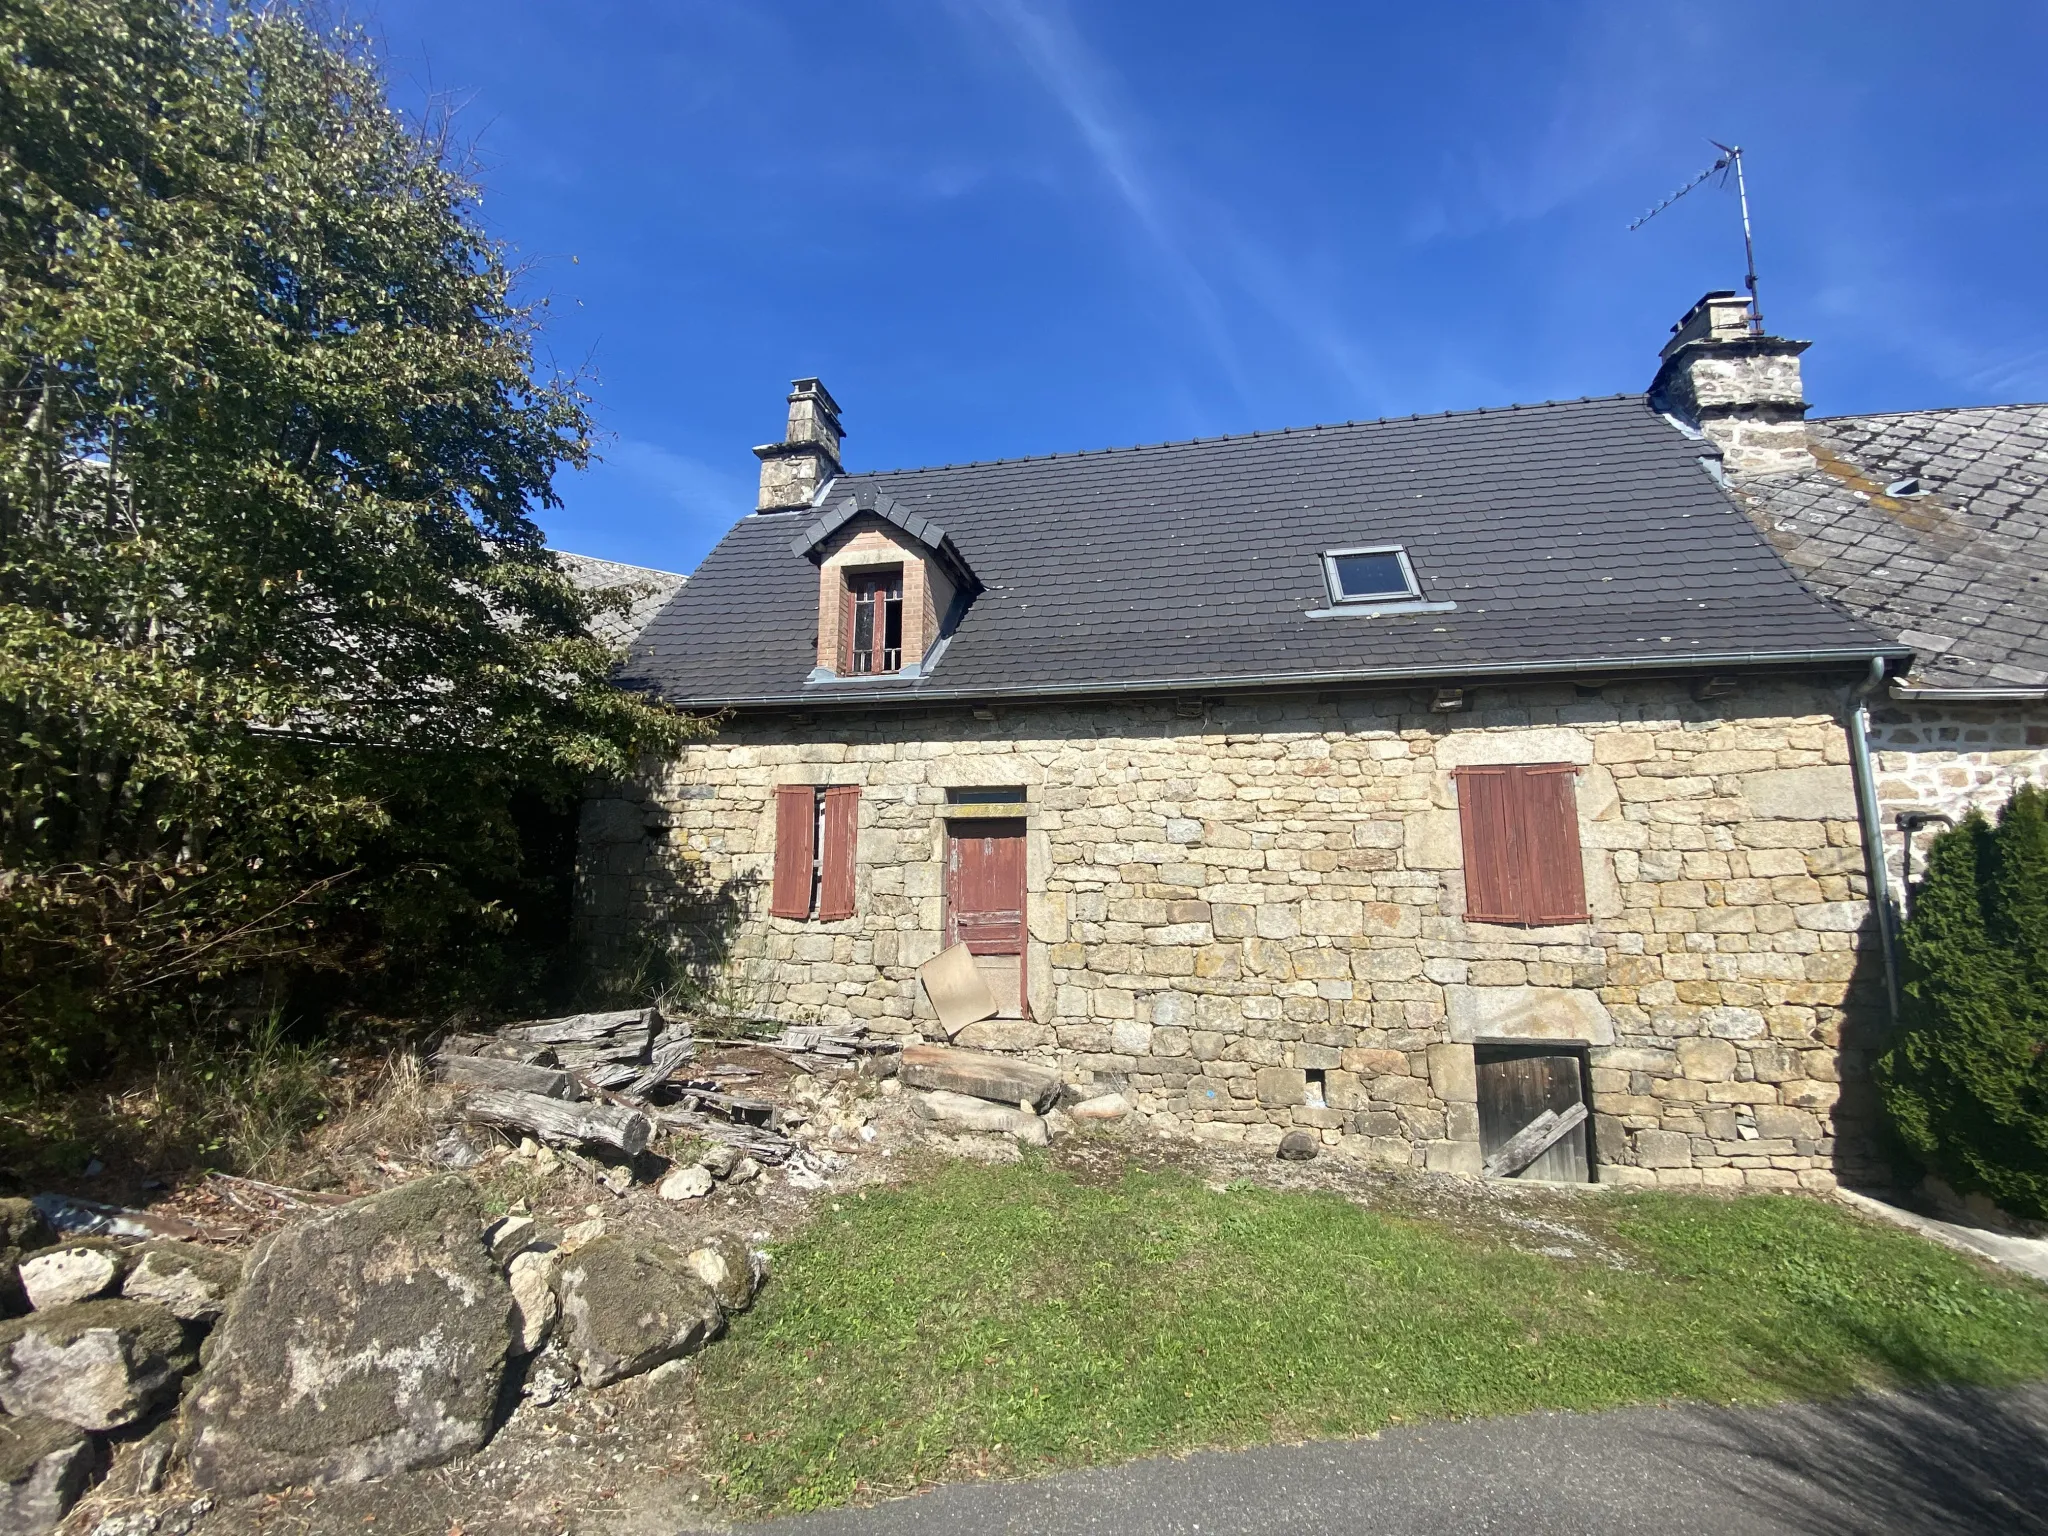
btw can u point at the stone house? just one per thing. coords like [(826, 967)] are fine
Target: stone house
[(1392, 779)]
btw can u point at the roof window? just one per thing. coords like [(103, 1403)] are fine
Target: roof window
[(1378, 574)]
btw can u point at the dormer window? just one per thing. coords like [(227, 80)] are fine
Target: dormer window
[(891, 587), (1380, 574), (874, 622)]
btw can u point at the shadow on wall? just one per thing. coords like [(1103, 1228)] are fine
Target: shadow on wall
[(1944, 1463), (1863, 1143), (653, 925)]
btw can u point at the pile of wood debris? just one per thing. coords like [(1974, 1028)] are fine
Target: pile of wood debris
[(617, 1080)]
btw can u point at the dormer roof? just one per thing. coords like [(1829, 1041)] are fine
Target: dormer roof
[(868, 498)]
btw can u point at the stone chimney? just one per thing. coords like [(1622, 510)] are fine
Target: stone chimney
[(808, 455), (1741, 389)]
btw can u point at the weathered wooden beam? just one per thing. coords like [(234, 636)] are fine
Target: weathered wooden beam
[(1532, 1141), (515, 1077), (498, 1050), (668, 1055), (608, 1125), (762, 1145), (1001, 1079), (589, 1039)]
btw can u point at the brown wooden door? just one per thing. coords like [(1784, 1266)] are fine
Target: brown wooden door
[(1516, 1084), (985, 902)]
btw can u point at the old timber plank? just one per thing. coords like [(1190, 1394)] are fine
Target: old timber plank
[(1002, 1079)]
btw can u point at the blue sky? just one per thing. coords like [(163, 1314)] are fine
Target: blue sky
[(1002, 227)]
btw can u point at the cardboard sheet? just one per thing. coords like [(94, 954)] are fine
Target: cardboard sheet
[(954, 984)]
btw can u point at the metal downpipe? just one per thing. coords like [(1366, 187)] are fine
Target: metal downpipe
[(1876, 879)]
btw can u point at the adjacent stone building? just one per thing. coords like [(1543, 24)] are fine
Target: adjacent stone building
[(1933, 527), (1392, 780)]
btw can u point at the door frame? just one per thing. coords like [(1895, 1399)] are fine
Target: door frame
[(967, 828)]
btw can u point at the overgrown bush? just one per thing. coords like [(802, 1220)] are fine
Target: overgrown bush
[(1966, 1082), (288, 679)]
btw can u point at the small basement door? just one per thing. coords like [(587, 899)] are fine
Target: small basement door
[(1516, 1084), (985, 903)]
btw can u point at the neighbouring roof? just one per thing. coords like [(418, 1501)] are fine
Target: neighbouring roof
[(1959, 573), (1570, 536), (650, 589)]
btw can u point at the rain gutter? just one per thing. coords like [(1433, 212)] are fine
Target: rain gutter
[(819, 695)]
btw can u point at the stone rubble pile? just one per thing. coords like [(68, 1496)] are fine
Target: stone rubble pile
[(364, 1339)]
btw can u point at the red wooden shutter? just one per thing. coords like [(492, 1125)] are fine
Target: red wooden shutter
[(1519, 824), (1487, 827), (1557, 870), (795, 823), (842, 840)]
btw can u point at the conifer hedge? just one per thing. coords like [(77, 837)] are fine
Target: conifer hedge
[(1966, 1082)]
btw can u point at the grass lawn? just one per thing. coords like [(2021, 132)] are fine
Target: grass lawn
[(997, 1321)]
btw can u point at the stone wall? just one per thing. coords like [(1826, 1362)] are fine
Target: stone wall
[(1950, 757), (1220, 905)]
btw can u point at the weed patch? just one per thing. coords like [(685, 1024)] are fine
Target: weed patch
[(999, 1321)]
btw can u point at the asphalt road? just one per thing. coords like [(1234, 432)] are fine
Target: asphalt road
[(1941, 1464)]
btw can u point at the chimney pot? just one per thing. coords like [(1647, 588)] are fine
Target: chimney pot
[(1741, 390), (808, 455)]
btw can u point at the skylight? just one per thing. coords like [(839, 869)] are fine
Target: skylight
[(1378, 574)]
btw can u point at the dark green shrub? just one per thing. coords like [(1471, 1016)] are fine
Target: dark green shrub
[(1966, 1082)]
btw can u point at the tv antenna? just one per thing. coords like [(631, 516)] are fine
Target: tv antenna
[(1730, 161)]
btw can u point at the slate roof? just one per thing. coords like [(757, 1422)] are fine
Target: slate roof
[(1960, 573), (1571, 536), (651, 589)]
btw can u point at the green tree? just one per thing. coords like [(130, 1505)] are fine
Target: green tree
[(286, 670), (1966, 1081)]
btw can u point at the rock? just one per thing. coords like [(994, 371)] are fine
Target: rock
[(692, 1183), (366, 1340), (721, 1158), (57, 1277), (534, 1307), (96, 1364), (550, 1378), (186, 1280), (1107, 1106), (743, 1170), (1299, 1146), (153, 1458), (582, 1234), (43, 1467), (977, 1114), (22, 1230), (630, 1304), (509, 1235), (1057, 1124), (731, 1271)]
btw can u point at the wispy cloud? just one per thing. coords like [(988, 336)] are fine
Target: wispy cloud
[(696, 488), (1208, 260), (1085, 90)]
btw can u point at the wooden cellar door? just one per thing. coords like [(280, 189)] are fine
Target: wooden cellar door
[(985, 903), (1516, 1084)]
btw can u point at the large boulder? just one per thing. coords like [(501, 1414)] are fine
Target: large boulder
[(22, 1231), (630, 1304), (96, 1364), (364, 1341), (189, 1281), (43, 1468)]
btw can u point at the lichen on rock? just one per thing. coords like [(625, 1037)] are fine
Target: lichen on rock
[(367, 1340)]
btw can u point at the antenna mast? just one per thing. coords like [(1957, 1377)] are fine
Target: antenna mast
[(1731, 160)]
